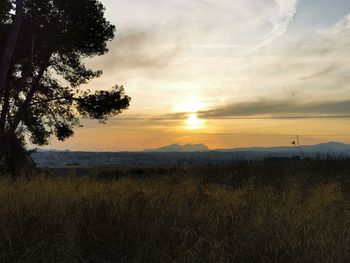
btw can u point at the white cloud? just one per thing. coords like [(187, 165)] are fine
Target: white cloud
[(286, 12), (340, 27)]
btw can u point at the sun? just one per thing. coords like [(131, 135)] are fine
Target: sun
[(193, 122), (191, 107)]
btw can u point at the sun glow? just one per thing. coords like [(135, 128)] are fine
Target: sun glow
[(193, 122), (192, 105)]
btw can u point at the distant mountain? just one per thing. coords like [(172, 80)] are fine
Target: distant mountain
[(329, 147), (181, 148)]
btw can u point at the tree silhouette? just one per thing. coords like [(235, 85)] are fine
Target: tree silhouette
[(42, 47)]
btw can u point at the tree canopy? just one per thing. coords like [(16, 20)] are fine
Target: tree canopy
[(43, 44)]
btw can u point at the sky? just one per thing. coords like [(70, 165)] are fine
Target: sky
[(225, 73)]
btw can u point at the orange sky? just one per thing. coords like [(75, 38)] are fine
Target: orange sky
[(126, 136)]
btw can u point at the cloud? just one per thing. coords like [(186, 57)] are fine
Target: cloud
[(278, 107), (333, 40), (286, 12), (206, 48), (315, 65), (339, 28), (323, 72), (137, 50)]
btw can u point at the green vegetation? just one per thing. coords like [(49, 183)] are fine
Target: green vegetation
[(43, 46), (293, 212)]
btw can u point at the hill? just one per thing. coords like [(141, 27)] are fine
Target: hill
[(329, 147), (181, 148), (333, 147)]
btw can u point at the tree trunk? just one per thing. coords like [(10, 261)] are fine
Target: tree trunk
[(4, 111), (14, 158), (2, 153), (22, 109), (9, 49)]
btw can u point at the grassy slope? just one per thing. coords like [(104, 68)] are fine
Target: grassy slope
[(180, 218)]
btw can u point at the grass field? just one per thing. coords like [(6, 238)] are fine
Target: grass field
[(271, 211)]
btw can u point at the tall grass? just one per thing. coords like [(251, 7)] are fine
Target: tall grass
[(172, 219)]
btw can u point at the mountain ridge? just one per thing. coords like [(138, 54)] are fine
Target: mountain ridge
[(331, 146), (181, 148)]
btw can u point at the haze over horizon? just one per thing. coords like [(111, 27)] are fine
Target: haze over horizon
[(330, 147), (222, 73)]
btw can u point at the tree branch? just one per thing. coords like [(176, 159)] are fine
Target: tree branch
[(54, 99), (18, 117)]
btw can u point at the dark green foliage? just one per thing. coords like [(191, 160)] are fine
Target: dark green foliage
[(54, 38), (5, 17), (103, 104), (63, 131)]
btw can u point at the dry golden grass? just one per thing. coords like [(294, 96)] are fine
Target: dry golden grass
[(171, 219)]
